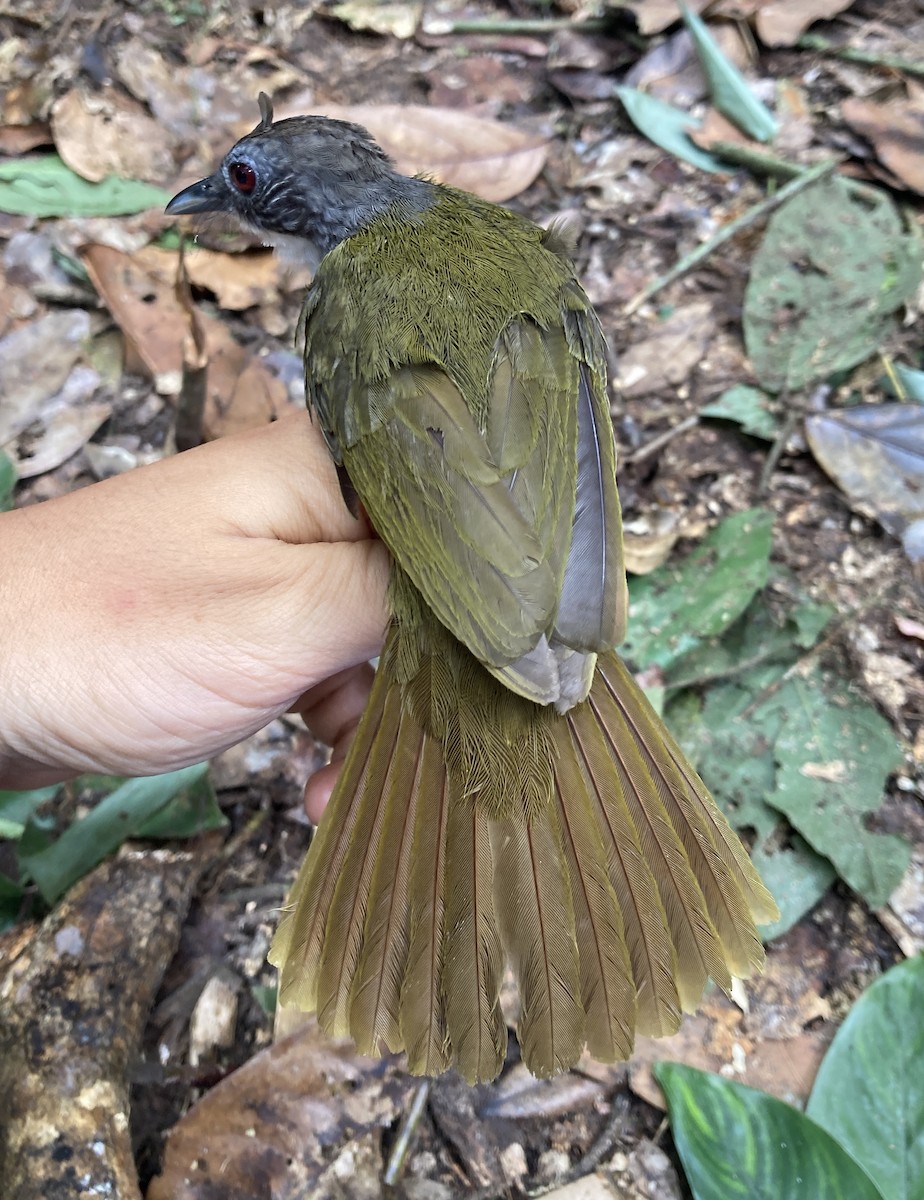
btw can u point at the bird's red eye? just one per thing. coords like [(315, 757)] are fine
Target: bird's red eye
[(242, 176)]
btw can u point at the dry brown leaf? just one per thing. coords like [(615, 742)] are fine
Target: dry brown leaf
[(35, 361), (655, 15), (18, 139), (241, 392), (390, 19), (304, 1113), (66, 423), (667, 357), (896, 131), (112, 134), (491, 159), (238, 281), (145, 309), (647, 545), (781, 22)]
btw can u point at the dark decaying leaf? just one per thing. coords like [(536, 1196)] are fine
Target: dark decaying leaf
[(875, 453), (834, 266)]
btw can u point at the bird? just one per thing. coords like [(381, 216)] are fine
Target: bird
[(511, 799)]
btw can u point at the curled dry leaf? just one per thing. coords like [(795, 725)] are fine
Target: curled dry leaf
[(110, 135), (494, 160), (238, 281), (291, 1121)]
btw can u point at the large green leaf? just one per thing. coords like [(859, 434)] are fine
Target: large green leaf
[(869, 1092), (736, 1142), (768, 743), (834, 266), (834, 754), (124, 813), (676, 607), (45, 187)]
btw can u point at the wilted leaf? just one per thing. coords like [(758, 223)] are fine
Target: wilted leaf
[(654, 16), (62, 425), (45, 187), (110, 134), (670, 352), (674, 609), (896, 130), (122, 814), (736, 1142), (35, 361), (728, 88), (869, 1091), (830, 273), (782, 22), (875, 453), (303, 1118), (390, 19), (747, 407), (492, 159), (667, 127)]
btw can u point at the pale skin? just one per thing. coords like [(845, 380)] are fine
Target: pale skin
[(157, 618)]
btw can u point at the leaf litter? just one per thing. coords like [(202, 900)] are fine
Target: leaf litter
[(772, 623)]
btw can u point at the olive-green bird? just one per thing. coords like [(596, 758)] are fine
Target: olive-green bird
[(510, 796)]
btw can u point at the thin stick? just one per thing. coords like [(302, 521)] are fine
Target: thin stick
[(438, 27), (728, 231), (661, 440), (894, 62), (407, 1134)]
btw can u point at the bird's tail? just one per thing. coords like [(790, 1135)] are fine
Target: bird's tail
[(613, 905)]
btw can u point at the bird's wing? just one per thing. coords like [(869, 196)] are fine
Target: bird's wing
[(510, 526)]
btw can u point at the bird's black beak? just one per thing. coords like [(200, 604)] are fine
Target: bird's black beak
[(208, 195)]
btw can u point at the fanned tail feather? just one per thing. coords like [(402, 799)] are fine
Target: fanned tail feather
[(613, 902)]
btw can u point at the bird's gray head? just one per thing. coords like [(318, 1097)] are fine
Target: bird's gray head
[(304, 179)]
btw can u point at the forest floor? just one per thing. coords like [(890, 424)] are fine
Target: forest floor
[(157, 91)]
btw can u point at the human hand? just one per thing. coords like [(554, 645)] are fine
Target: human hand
[(153, 620)]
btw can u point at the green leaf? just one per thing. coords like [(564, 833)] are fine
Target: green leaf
[(766, 744), (120, 815), (7, 481), (869, 1091), (676, 607), (736, 1142), (834, 754), (834, 266), (17, 807), (11, 895), (667, 127), (194, 810), (728, 87), (912, 381), (747, 407), (45, 187)]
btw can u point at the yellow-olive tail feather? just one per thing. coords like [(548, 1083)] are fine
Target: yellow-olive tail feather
[(613, 902)]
